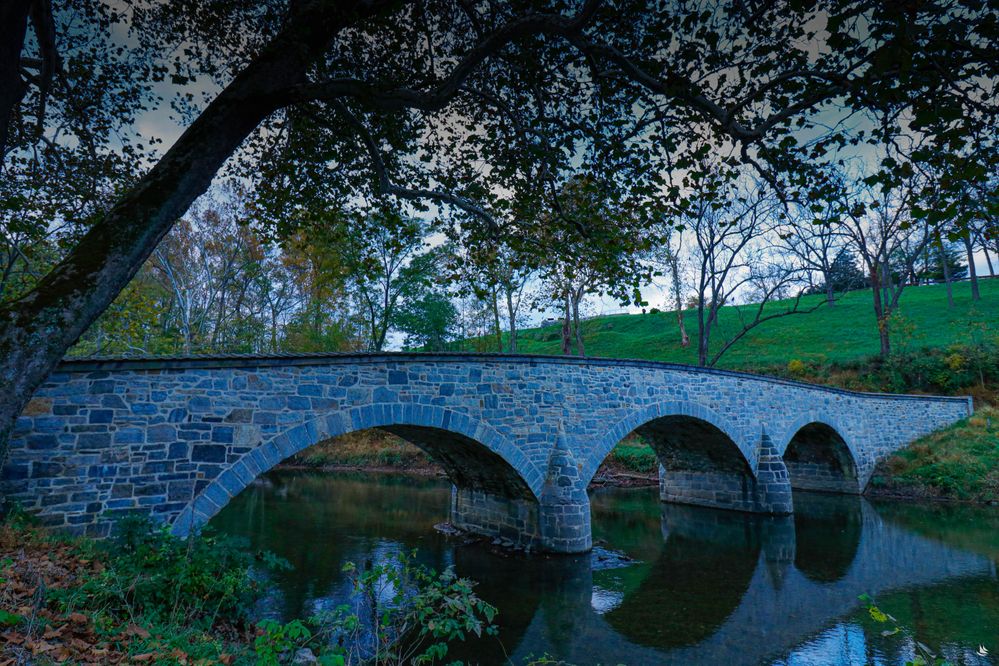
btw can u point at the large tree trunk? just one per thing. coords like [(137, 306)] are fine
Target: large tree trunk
[(945, 266), (13, 27), (972, 273), (38, 329), (684, 338), (674, 268), (703, 334), (879, 314), (577, 329), (988, 259), (497, 328)]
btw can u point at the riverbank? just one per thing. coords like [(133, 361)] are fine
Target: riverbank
[(957, 463), (146, 596), (152, 599)]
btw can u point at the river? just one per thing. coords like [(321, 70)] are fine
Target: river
[(704, 587)]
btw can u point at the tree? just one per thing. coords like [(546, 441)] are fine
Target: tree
[(315, 264), (730, 256), (878, 221), (665, 257), (812, 237), (370, 90), (941, 261), (594, 245), (385, 265), (429, 322), (844, 273)]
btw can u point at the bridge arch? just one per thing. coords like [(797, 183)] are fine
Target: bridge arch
[(703, 460), (819, 456), (680, 411), (474, 455)]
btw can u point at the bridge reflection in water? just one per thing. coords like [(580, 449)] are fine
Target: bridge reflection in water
[(709, 587), (730, 588)]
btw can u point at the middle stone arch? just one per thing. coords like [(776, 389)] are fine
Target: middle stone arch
[(704, 459), (683, 411)]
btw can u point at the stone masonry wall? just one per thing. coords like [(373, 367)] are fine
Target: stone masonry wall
[(513, 520), (821, 477)]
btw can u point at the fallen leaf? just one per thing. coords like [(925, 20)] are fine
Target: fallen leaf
[(136, 630)]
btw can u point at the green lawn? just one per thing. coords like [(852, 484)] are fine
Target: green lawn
[(844, 332)]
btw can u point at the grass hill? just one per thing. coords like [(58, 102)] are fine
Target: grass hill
[(843, 333)]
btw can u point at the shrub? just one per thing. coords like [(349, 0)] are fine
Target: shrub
[(148, 572), (796, 367), (636, 456), (414, 614)]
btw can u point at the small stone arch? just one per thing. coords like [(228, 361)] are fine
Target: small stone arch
[(681, 408), (412, 422), (819, 456)]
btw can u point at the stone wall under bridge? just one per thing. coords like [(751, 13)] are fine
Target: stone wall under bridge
[(519, 436)]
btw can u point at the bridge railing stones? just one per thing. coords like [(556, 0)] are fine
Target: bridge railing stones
[(177, 438)]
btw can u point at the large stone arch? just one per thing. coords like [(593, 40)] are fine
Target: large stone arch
[(414, 422), (602, 447), (820, 456)]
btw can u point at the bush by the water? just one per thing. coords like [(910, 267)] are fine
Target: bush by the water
[(150, 573), (413, 613), (146, 596), (635, 455)]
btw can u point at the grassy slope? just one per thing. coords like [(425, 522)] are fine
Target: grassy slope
[(844, 332), (959, 462)]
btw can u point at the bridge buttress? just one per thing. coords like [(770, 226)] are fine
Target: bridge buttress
[(565, 505)]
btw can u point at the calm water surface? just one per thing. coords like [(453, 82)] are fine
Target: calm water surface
[(708, 587)]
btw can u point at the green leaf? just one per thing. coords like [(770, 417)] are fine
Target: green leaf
[(9, 619)]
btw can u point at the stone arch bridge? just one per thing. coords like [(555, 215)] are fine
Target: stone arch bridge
[(519, 436)]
